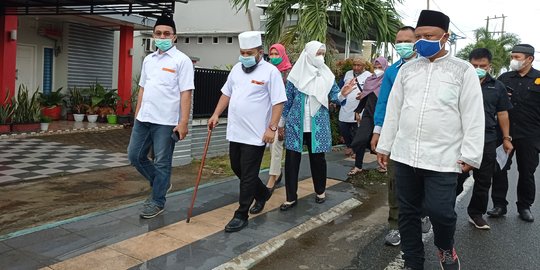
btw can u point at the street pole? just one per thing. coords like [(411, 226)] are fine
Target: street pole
[(427, 4)]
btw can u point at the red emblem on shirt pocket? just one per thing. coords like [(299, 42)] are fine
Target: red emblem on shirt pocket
[(169, 70), (257, 82)]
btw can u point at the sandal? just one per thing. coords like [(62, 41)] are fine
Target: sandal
[(381, 170), (354, 171)]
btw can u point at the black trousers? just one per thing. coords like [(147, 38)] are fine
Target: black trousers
[(527, 152), (362, 140), (246, 162), (527, 157), (499, 186), (317, 162), (433, 192), (482, 181)]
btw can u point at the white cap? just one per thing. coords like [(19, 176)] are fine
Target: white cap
[(250, 39)]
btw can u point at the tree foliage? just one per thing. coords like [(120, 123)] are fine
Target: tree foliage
[(358, 19), (499, 47)]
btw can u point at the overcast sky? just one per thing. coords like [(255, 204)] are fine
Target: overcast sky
[(523, 17)]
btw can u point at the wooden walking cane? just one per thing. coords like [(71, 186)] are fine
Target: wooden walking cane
[(199, 174)]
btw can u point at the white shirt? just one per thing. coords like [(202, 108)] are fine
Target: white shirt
[(435, 116), (164, 77), (307, 115), (252, 96), (346, 112)]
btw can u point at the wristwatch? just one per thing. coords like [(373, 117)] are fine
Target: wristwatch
[(509, 138), (272, 128)]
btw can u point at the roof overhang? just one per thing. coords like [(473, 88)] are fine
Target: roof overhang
[(149, 8)]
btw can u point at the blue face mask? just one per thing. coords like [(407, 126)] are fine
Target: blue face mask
[(428, 48), (163, 44), (248, 61), (481, 72), (405, 50)]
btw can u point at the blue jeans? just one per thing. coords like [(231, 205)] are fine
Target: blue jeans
[(158, 171), (436, 192)]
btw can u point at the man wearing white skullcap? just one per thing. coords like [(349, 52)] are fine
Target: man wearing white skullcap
[(254, 94)]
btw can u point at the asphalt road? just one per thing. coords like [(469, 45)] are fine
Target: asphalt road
[(510, 244)]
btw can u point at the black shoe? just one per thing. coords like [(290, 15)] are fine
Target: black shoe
[(319, 199), (497, 211), (287, 206), (526, 215), (257, 207), (236, 224)]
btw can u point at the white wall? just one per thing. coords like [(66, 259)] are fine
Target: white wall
[(27, 34), (211, 55)]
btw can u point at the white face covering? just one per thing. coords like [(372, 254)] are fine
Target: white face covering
[(378, 72), (516, 65), (318, 61)]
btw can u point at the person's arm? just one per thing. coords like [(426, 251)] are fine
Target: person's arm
[(504, 124), (334, 93), (290, 91), (185, 108), (391, 122), (472, 113), (139, 101), (277, 98), (223, 102), (382, 101), (220, 107)]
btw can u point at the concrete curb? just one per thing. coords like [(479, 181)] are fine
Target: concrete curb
[(253, 256)]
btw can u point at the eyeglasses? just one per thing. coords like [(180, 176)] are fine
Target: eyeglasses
[(166, 34)]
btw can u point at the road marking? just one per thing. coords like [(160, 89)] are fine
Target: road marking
[(397, 263), (253, 256)]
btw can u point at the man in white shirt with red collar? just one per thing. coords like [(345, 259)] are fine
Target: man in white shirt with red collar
[(254, 93), (433, 129), (163, 108)]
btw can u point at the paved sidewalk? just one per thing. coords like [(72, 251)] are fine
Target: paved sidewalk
[(118, 239)]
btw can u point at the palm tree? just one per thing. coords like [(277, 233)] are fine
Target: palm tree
[(359, 19), (500, 48)]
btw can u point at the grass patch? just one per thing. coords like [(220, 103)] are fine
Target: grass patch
[(371, 177), (221, 165)]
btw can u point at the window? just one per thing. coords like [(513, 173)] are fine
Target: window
[(229, 40), (186, 40), (47, 69), (200, 40), (215, 40)]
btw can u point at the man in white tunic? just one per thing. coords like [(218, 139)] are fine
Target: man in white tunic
[(433, 129), (254, 93), (163, 107)]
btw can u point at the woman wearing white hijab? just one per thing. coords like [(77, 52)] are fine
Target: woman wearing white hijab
[(310, 86)]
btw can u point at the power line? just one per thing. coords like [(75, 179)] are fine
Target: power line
[(462, 32)]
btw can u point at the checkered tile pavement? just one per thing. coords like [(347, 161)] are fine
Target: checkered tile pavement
[(25, 159)]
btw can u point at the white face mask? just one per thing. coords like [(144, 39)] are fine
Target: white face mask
[(516, 65), (378, 72), (318, 61)]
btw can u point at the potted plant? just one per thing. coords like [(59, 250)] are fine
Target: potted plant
[(123, 118), (51, 104), (6, 112), (91, 113), (45, 121), (78, 106), (27, 111)]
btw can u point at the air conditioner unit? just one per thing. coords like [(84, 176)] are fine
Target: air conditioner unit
[(148, 45)]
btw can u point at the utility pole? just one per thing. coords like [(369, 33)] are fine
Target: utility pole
[(496, 18), (427, 4)]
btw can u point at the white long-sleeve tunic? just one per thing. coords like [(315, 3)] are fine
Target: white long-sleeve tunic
[(435, 116)]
